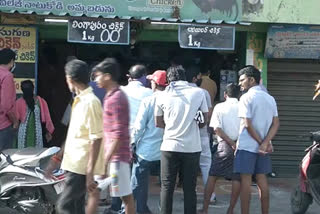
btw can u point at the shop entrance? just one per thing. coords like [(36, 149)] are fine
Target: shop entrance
[(155, 54)]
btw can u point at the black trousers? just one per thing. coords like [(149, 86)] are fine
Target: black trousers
[(171, 162), (72, 199)]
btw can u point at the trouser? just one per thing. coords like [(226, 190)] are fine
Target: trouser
[(140, 183), (72, 199), (6, 138), (116, 203), (170, 164), (205, 159), (205, 164)]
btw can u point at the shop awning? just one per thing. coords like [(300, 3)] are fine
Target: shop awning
[(199, 11)]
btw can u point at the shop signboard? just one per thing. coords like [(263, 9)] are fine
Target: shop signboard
[(293, 42), (214, 37), (99, 31), (22, 40), (227, 10)]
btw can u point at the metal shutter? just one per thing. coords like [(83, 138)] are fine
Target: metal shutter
[(292, 83)]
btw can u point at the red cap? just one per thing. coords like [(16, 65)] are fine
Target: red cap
[(159, 77)]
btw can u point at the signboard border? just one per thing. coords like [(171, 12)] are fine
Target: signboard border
[(227, 49), (100, 43)]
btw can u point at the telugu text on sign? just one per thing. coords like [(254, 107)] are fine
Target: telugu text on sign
[(20, 39), (98, 31)]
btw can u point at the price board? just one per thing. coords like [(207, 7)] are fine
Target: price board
[(99, 31), (214, 37)]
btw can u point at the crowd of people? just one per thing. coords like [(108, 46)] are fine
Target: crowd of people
[(167, 119)]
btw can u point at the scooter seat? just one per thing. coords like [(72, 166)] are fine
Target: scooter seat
[(21, 154)]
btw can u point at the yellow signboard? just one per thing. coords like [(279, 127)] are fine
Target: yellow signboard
[(17, 83), (20, 39)]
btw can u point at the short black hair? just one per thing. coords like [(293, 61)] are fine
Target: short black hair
[(176, 73), (137, 71), (232, 90), (78, 71), (191, 72), (6, 55), (109, 66), (251, 71)]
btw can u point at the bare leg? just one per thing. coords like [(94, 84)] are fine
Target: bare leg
[(93, 200), (262, 183), (245, 194), (235, 192), (129, 204), (211, 182)]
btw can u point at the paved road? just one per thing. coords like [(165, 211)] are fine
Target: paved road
[(280, 190)]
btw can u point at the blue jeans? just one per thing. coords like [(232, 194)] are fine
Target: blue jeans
[(116, 204), (6, 138), (140, 183)]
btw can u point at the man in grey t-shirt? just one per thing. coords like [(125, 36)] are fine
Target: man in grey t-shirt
[(175, 111)]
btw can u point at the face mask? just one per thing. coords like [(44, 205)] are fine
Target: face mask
[(144, 81), (13, 67)]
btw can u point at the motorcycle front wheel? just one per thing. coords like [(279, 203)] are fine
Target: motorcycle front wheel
[(300, 201), (30, 201)]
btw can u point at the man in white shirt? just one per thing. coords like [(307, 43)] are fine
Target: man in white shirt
[(135, 91), (193, 76), (226, 125), (175, 111), (259, 124)]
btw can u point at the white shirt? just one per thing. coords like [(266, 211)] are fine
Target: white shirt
[(204, 131), (261, 108), (225, 116), (204, 135), (178, 105), (135, 92)]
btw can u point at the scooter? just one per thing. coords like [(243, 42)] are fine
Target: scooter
[(24, 188), (308, 188)]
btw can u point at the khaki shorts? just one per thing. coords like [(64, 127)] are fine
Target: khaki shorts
[(121, 185)]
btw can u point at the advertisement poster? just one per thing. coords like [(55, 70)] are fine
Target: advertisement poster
[(22, 40), (293, 42)]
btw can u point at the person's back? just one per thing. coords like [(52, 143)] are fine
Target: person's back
[(8, 120), (175, 111), (36, 127), (135, 91), (228, 115), (210, 85), (181, 103)]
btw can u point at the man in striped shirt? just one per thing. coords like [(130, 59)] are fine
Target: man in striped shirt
[(116, 131)]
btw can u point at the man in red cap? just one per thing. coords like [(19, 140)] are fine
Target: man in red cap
[(146, 140)]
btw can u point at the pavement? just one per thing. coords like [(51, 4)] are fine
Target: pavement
[(280, 191)]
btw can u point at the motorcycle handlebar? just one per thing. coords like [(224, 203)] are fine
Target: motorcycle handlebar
[(8, 158)]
